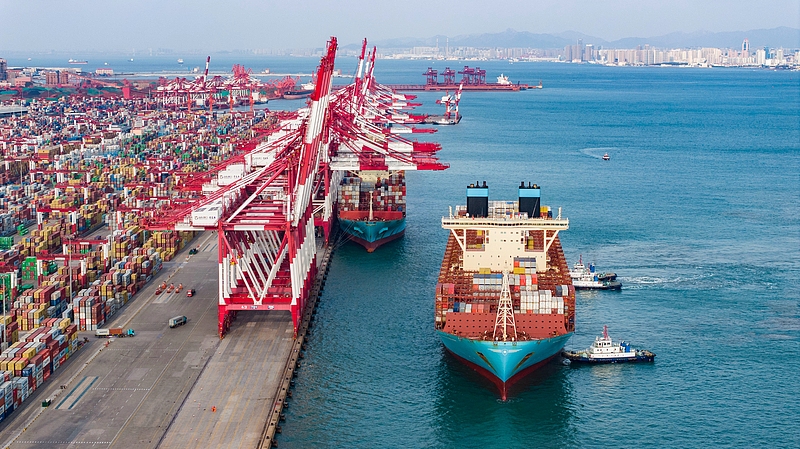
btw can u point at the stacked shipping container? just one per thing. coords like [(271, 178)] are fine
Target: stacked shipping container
[(385, 190), (28, 363)]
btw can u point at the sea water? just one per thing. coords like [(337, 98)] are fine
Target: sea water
[(697, 212)]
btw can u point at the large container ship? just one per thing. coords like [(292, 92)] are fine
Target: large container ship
[(505, 303), (372, 207)]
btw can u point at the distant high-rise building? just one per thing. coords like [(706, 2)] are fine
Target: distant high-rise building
[(3, 68), (746, 47)]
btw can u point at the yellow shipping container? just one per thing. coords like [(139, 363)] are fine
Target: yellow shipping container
[(29, 353)]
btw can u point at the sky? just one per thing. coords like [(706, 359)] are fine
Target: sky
[(212, 25)]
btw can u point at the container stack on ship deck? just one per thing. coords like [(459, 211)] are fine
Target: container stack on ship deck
[(505, 303), (372, 207)]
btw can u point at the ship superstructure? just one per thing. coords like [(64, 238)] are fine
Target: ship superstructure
[(505, 303)]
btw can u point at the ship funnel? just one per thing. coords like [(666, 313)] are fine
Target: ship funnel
[(530, 200), (478, 200)]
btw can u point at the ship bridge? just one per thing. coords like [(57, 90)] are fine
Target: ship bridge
[(503, 234)]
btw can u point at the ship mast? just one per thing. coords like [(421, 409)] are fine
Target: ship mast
[(371, 199), (505, 313)]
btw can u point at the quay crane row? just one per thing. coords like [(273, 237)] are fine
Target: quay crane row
[(271, 202)]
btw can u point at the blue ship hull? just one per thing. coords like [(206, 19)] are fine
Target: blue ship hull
[(372, 234), (504, 362)]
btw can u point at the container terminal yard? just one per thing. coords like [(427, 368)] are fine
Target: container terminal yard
[(114, 207)]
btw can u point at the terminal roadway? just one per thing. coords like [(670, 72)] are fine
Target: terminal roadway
[(170, 388)]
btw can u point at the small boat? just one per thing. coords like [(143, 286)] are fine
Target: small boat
[(606, 157), (603, 350), (180, 61), (585, 278), (75, 61)]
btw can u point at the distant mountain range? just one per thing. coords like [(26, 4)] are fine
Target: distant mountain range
[(776, 37)]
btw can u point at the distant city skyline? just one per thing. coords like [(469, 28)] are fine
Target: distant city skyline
[(99, 25)]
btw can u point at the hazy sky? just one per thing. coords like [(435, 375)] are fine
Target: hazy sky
[(255, 24)]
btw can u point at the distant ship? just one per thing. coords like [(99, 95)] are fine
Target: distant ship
[(505, 304), (305, 90), (75, 61), (180, 61)]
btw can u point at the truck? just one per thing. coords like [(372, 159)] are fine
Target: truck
[(114, 332), (177, 321)]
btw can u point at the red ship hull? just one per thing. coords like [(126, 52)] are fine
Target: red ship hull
[(372, 246), (502, 386)]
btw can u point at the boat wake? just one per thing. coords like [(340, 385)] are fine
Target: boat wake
[(598, 152)]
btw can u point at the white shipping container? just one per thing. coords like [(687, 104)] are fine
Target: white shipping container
[(207, 215), (263, 159)]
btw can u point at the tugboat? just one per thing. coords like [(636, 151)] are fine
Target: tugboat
[(585, 278), (603, 350), (606, 157)]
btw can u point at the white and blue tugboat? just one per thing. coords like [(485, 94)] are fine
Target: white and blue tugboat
[(603, 350), (586, 278)]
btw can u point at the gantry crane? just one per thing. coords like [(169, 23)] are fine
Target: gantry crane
[(269, 204)]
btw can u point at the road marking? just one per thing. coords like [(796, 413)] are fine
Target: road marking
[(61, 442), (164, 298), (121, 389), (71, 399)]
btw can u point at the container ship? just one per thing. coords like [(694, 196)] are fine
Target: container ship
[(372, 207), (505, 304)]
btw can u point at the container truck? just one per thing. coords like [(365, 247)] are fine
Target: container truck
[(114, 332)]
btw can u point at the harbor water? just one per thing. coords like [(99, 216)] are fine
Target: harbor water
[(697, 212)]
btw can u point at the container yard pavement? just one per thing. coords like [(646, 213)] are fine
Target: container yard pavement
[(232, 400), (127, 394)]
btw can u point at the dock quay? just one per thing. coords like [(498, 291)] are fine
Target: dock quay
[(180, 387)]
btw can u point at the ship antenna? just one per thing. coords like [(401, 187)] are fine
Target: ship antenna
[(505, 312), (605, 331)]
